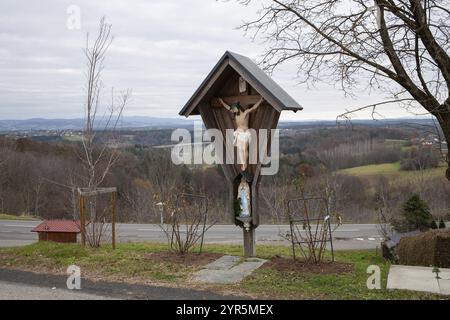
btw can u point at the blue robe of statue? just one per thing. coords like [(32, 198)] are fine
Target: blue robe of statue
[(244, 199)]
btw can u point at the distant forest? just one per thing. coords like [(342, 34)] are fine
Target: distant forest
[(358, 163)]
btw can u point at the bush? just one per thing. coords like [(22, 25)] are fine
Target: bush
[(186, 224), (442, 224), (431, 248)]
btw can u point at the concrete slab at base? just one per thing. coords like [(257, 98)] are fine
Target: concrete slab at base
[(418, 279), (228, 269), (223, 263)]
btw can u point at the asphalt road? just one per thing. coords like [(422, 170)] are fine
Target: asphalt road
[(347, 236), (15, 291), (23, 285)]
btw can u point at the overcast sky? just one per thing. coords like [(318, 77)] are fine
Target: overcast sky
[(162, 50)]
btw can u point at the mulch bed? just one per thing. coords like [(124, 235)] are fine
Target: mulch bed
[(188, 259), (291, 265)]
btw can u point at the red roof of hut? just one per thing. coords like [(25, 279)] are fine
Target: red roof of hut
[(69, 226)]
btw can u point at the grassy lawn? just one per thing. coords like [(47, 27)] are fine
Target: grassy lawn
[(136, 263), (4, 216)]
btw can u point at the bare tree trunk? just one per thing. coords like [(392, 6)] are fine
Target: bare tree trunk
[(444, 121), (98, 158)]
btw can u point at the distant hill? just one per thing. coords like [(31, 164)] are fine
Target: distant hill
[(167, 123), (363, 122), (77, 124)]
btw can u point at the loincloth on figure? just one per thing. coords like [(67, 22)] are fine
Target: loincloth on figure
[(242, 137)]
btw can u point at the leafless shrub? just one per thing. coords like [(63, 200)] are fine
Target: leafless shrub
[(186, 222), (97, 230), (310, 219)]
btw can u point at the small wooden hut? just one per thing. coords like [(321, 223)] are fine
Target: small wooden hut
[(64, 231)]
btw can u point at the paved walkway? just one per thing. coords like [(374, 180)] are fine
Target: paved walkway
[(228, 269), (419, 279)]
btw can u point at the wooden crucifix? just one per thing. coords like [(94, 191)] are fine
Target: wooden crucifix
[(238, 95)]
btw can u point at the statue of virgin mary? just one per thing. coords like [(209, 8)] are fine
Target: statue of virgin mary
[(243, 196)]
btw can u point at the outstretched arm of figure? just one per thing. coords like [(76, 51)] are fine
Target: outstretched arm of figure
[(224, 104), (255, 106)]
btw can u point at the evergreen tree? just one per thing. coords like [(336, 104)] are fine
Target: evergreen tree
[(417, 214), (433, 224)]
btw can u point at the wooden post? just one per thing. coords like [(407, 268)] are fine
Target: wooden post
[(113, 219), (249, 243), (82, 221)]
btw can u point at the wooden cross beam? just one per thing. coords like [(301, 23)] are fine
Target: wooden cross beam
[(244, 100), (95, 192)]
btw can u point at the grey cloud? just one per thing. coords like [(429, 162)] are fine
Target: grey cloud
[(162, 49)]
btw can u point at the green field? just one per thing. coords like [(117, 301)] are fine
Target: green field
[(135, 263), (395, 142), (374, 169), (392, 170), (74, 138)]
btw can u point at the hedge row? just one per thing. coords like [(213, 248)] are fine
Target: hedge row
[(431, 248)]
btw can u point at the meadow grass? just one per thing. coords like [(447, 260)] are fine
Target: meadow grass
[(374, 169), (392, 170)]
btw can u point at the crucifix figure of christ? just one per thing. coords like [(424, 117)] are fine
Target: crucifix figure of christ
[(242, 136)]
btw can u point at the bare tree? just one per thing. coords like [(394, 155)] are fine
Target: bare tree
[(4, 150), (140, 200), (166, 178), (276, 193), (398, 47), (72, 201), (385, 207), (4, 156), (98, 157)]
